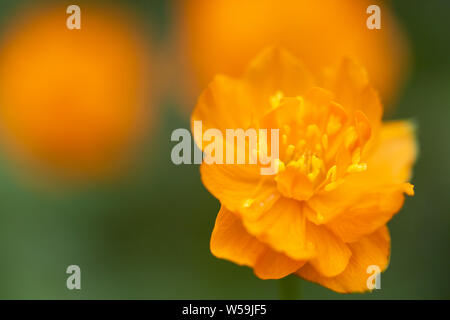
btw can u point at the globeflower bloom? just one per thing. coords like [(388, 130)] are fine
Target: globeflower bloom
[(341, 175)]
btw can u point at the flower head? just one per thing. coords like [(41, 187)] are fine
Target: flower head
[(341, 173)]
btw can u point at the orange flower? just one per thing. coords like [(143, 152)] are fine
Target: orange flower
[(341, 177), (221, 36), (73, 102)]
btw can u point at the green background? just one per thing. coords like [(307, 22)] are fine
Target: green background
[(147, 235)]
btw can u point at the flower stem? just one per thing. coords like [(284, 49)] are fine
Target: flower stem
[(289, 288)]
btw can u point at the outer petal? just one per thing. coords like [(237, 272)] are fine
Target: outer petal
[(274, 265), (231, 241), (374, 211), (370, 250), (333, 254), (395, 155), (350, 83), (274, 70), (224, 104), (285, 229), (241, 188), (389, 166)]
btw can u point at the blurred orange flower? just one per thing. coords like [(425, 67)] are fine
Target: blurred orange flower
[(342, 173), (74, 101), (221, 36)]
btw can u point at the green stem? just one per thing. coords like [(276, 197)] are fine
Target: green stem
[(289, 288)]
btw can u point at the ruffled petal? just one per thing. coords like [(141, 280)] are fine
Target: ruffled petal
[(394, 156), (350, 84), (241, 188), (332, 253), (388, 168), (283, 229), (231, 241), (275, 265), (372, 212), (224, 104), (372, 250), (276, 71)]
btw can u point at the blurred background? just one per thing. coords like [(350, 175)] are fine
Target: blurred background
[(85, 122)]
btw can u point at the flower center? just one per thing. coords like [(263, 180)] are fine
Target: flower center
[(318, 147)]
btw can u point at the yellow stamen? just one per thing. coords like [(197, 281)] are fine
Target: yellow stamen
[(331, 174), (247, 203), (333, 185), (356, 157), (334, 124), (350, 138), (313, 175), (409, 189), (353, 168), (280, 165), (276, 99), (316, 164)]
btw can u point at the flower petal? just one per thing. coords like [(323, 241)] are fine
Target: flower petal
[(294, 184), (283, 229), (275, 265), (332, 253), (231, 241), (374, 211), (394, 156), (241, 188), (224, 104), (276, 70), (370, 250), (350, 83), (388, 167)]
